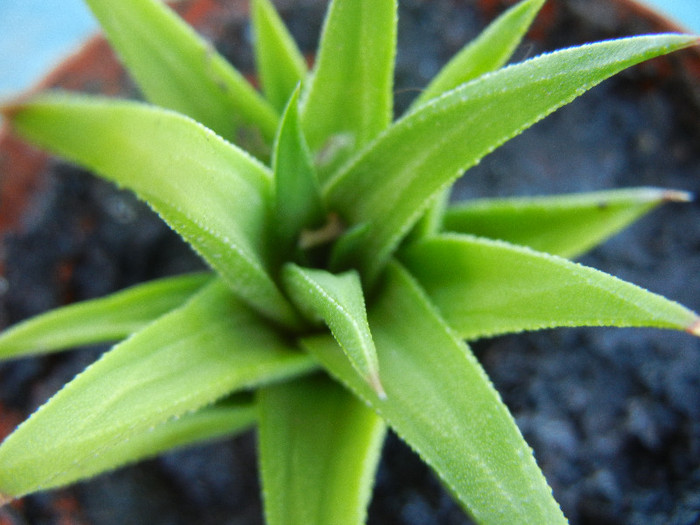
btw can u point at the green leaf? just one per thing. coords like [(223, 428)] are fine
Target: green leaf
[(100, 320), (280, 64), (339, 301), (319, 449), (485, 287), (431, 221), (218, 421), (349, 99), (211, 346), (564, 225), (173, 163), (178, 70), (488, 52), (297, 192), (392, 181), (441, 403)]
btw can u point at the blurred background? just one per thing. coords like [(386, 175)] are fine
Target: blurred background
[(35, 34)]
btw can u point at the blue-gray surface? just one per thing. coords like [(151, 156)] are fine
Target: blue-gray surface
[(36, 33)]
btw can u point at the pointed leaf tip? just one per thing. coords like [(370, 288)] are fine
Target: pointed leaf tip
[(376, 384), (677, 196), (694, 329), (338, 300)]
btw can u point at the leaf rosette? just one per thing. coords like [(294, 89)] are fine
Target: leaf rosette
[(343, 283)]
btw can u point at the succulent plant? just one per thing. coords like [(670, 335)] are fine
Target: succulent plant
[(343, 284)]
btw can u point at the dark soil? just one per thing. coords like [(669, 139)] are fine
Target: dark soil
[(613, 415)]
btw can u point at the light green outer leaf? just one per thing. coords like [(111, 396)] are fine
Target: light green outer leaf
[(212, 193), (297, 191), (100, 320), (489, 51), (350, 90), (485, 287), (280, 64), (564, 225), (208, 348), (210, 423), (178, 70), (339, 301), (319, 450), (441, 403), (392, 181)]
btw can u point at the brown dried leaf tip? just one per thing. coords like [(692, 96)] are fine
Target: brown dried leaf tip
[(677, 196), (694, 329)]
